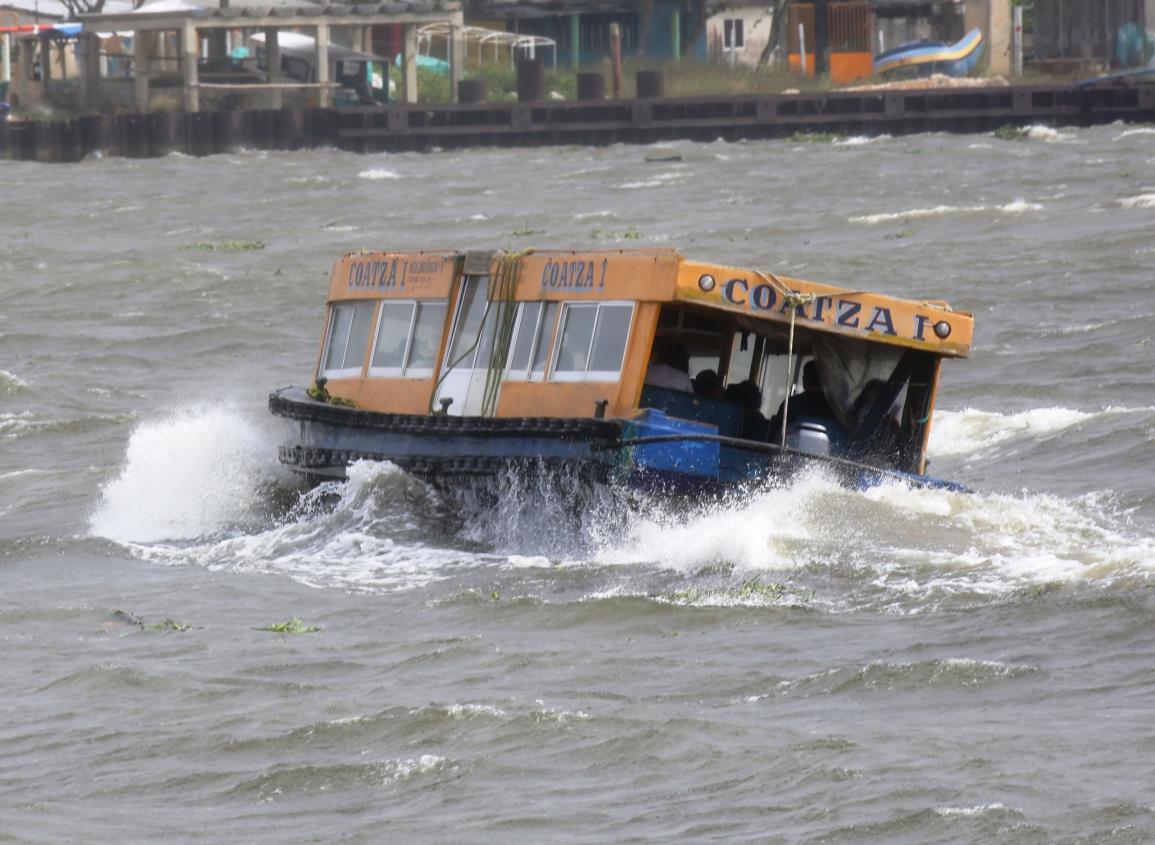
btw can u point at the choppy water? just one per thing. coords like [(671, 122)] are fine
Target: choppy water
[(798, 665)]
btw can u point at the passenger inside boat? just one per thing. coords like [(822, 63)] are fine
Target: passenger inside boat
[(669, 366), (810, 403), (849, 398)]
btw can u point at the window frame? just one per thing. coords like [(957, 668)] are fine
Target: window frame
[(586, 374), (733, 35), (405, 370), (344, 372), (527, 373)]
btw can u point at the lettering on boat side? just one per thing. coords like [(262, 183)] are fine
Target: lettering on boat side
[(848, 313), (394, 273), (574, 275)]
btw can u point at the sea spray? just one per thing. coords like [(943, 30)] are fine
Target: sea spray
[(193, 473)]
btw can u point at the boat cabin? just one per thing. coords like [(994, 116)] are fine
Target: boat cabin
[(677, 349)]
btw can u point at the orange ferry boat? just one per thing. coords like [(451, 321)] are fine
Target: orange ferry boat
[(639, 366)]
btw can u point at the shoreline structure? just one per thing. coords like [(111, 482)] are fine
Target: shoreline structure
[(403, 127)]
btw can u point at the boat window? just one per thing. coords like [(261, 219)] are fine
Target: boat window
[(392, 336), (349, 327), (544, 340), (610, 338), (592, 341), (408, 337), (532, 335), (427, 329), (469, 319)]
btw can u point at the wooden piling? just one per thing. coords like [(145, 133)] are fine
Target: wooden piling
[(530, 80), (650, 84), (591, 86)]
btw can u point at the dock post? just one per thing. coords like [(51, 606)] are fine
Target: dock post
[(325, 98), (163, 135), (88, 50), (189, 50), (616, 54), (229, 133), (650, 83), (46, 141), (530, 80), (471, 91), (273, 60), (1017, 42), (456, 50), (409, 64), (591, 86), (142, 46)]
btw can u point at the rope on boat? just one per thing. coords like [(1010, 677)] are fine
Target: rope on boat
[(504, 290), (794, 299), (507, 315)]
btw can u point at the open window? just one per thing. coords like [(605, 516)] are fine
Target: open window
[(592, 340), (408, 338), (349, 326)]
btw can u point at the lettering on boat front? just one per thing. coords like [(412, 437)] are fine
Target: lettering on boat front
[(833, 310), (574, 275), (395, 273)]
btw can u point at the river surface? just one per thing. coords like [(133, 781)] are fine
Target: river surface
[(795, 665)]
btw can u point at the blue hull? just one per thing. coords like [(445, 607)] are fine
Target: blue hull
[(652, 452)]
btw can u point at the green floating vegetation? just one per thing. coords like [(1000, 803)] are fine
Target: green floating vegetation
[(242, 246), (774, 591), (170, 624), (896, 236), (291, 626), (750, 590), (525, 232), (227, 246), (1010, 132), (816, 137)]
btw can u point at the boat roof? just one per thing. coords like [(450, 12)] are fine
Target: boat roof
[(757, 298)]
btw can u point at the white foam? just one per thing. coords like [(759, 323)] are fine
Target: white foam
[(1140, 201), (351, 546), (187, 475), (1018, 206), (977, 810), (11, 383), (659, 181), (377, 174), (1129, 133), (18, 423), (758, 531), (860, 140), (465, 711), (1002, 541), (971, 430), (403, 769)]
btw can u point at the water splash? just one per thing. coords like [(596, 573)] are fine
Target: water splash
[(1018, 206), (197, 472)]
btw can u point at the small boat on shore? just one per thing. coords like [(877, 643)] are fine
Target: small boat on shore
[(923, 58), (631, 366)]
